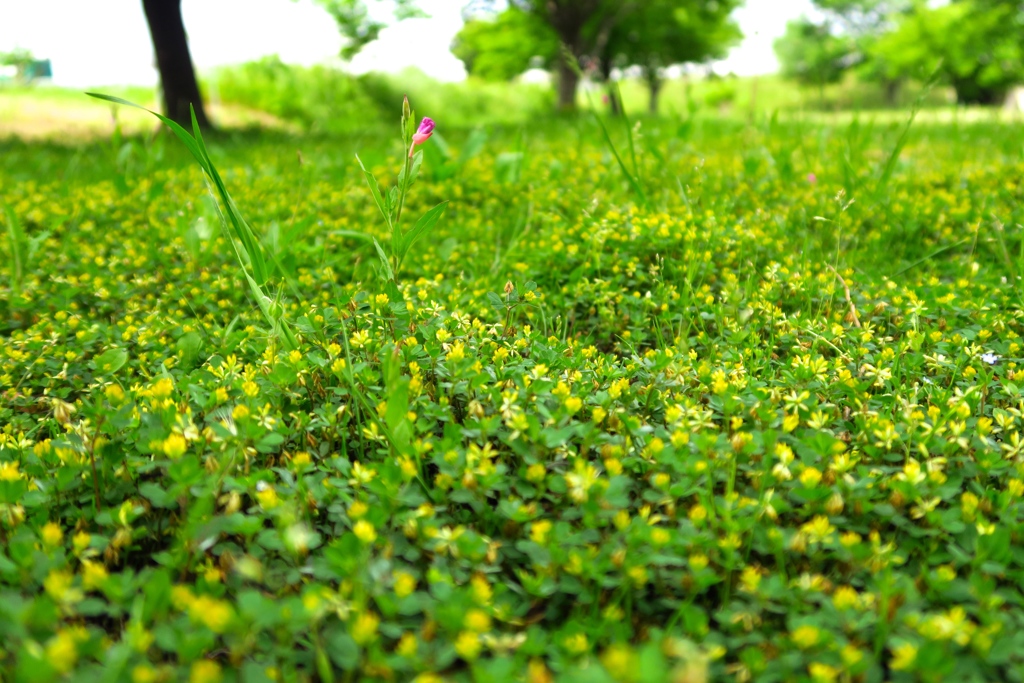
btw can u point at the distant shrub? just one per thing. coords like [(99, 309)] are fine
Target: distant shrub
[(318, 98), (322, 98)]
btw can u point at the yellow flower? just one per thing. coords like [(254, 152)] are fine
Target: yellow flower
[(805, 636), (9, 472), (364, 531), (903, 656), (535, 473), (364, 630), (477, 620), (162, 388), (205, 671), (750, 579), (174, 446), (114, 394), (823, 673), (62, 651), (482, 591), (93, 574), (576, 644), (698, 513), (698, 562), (405, 584), (267, 498), (539, 531), (851, 655), (81, 541), (818, 529), (638, 575), (215, 614), (620, 662), (810, 477), (52, 535), (143, 673), (845, 597), (59, 586), (457, 352), (468, 645), (407, 646)]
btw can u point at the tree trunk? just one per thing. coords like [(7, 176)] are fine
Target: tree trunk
[(614, 105), (654, 86), (177, 76), (892, 91), (568, 79)]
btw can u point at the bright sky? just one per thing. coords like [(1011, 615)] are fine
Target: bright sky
[(106, 42)]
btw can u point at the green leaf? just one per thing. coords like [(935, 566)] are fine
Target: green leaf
[(495, 300), (189, 345), (17, 239), (634, 182), (375, 191), (110, 361), (384, 260), (343, 650), (197, 147), (424, 225)]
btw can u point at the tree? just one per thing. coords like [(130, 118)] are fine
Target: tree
[(813, 53), (841, 39), (20, 58), (174, 62), (357, 25), (605, 33), (667, 32), (583, 27), (501, 47), (976, 45)]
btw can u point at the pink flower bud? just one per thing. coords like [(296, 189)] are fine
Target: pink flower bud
[(811, 178), (422, 133)]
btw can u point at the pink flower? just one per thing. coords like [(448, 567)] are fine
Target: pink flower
[(811, 178), (422, 133)]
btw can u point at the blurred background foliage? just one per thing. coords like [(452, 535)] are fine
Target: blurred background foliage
[(528, 58)]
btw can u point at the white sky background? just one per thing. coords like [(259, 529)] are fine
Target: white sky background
[(106, 42)]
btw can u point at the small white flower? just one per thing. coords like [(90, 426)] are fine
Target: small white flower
[(990, 358), (262, 486)]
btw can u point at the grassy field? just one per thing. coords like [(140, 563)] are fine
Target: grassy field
[(721, 400)]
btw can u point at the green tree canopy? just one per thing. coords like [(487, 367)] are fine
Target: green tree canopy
[(814, 53), (357, 25), (652, 34), (975, 44), (501, 47), (667, 32)]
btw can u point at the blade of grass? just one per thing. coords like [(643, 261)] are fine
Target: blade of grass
[(375, 191), (197, 147), (634, 182), (901, 142), (17, 239), (272, 311), (424, 225)]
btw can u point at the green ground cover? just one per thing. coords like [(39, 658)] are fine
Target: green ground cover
[(728, 421)]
